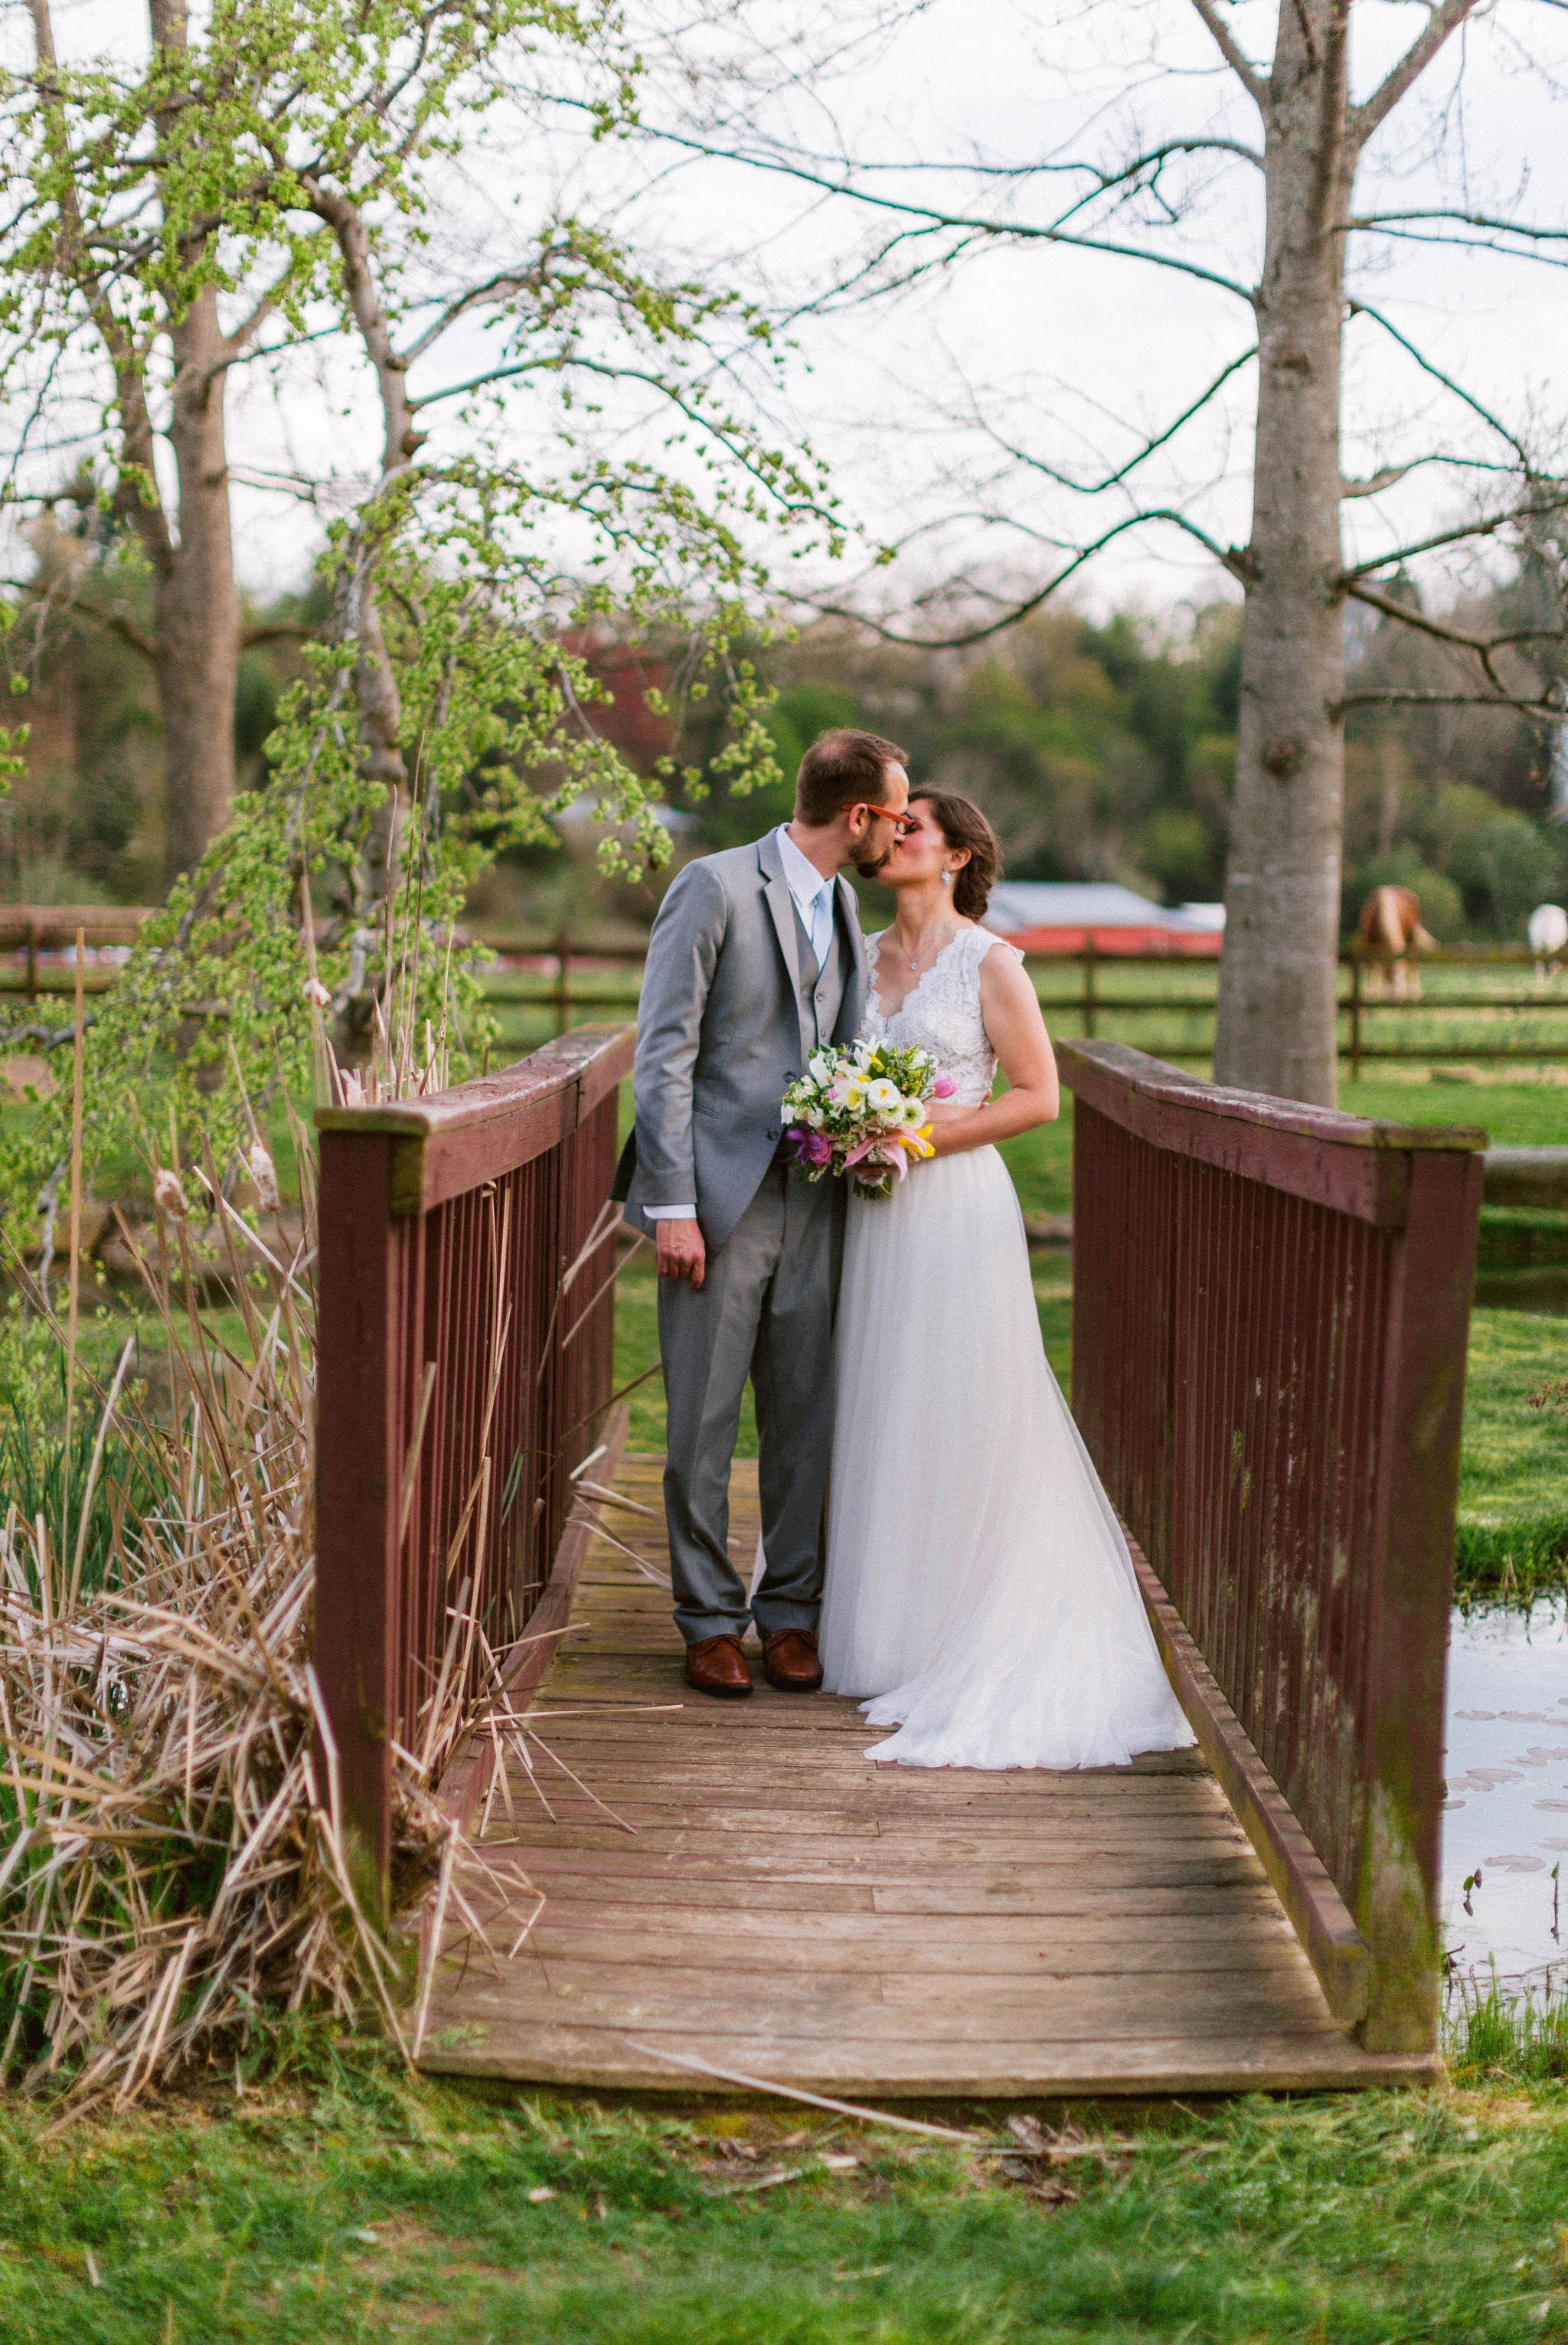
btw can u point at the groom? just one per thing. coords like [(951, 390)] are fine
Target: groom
[(755, 959)]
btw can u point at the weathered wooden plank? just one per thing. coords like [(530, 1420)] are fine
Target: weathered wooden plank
[(578, 1933), (1205, 1922), (921, 2068), (1018, 1860), (763, 1891), (829, 2005)]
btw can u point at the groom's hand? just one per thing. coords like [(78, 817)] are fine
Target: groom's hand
[(681, 1252)]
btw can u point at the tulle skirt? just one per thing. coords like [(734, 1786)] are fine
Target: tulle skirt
[(979, 1595)]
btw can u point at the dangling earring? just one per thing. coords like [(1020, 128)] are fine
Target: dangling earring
[(947, 878)]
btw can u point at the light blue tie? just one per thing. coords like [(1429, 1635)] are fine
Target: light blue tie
[(822, 922)]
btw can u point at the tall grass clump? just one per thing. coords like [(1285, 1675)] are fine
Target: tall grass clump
[(175, 1878), (1490, 2033)]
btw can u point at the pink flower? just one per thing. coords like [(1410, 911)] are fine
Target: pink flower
[(944, 1088)]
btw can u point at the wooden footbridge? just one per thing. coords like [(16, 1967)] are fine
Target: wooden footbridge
[(1269, 1319)]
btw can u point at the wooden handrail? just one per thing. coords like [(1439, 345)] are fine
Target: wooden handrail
[(1270, 1306)]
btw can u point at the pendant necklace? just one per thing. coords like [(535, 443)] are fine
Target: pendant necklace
[(914, 957)]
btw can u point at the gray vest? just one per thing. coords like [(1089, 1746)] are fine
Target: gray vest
[(822, 989)]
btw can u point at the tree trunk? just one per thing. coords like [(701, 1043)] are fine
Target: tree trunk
[(198, 602), (1276, 1025)]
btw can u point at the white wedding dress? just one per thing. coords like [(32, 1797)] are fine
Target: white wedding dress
[(979, 1588)]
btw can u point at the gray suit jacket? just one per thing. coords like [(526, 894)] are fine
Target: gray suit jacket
[(721, 1033)]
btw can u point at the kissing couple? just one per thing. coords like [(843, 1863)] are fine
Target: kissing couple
[(935, 1540)]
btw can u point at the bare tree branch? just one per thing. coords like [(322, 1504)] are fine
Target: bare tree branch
[(1552, 710), (1254, 84), (1232, 557), (1364, 310), (1481, 646), (276, 631), (979, 224), (1552, 510), (1441, 23), (1370, 221), (1114, 479)]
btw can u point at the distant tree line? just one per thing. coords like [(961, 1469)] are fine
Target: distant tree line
[(1101, 749), (1108, 751)]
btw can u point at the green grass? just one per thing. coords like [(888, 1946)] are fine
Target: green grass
[(1516, 1115), (372, 2210), (1513, 1469)]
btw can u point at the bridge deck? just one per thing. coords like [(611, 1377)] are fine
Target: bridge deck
[(787, 1911)]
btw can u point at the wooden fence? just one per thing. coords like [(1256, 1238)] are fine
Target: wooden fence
[(560, 960), (30, 933), (1271, 1306), (464, 1364)]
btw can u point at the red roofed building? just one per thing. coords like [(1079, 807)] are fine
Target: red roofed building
[(1042, 916)]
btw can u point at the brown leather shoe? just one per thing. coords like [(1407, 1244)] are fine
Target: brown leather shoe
[(790, 1658), (716, 1665)]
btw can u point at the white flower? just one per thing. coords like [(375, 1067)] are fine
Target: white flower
[(814, 1118), (168, 1196), (884, 1098), (316, 994), (264, 1173), (820, 1069), (914, 1114)]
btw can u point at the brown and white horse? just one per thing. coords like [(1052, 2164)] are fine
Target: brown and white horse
[(1389, 927)]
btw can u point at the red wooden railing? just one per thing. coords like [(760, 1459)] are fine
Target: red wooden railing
[(1270, 1306), (465, 1363)]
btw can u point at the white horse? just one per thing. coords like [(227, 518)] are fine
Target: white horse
[(1548, 933)]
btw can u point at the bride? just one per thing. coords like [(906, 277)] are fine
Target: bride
[(979, 1589)]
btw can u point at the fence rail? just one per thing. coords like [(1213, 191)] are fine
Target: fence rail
[(29, 933), (1271, 1306), (465, 1358)]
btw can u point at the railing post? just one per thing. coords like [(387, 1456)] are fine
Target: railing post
[(1417, 1454), (32, 961), (358, 1365), (1355, 960), (1089, 950)]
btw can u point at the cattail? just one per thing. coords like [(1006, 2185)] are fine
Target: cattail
[(168, 1196), (264, 1174)]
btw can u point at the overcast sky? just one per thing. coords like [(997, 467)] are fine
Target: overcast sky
[(1067, 357)]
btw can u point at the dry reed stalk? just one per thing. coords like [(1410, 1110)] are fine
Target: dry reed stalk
[(75, 1270)]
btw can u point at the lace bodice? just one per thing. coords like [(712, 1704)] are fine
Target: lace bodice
[(941, 1014)]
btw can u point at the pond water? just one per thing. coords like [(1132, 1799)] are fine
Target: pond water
[(1506, 1816)]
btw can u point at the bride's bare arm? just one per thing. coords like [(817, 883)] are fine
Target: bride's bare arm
[(1018, 1036)]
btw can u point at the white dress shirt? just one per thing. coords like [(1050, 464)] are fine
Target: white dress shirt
[(813, 898)]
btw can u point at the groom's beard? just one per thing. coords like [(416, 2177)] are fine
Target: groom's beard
[(870, 860)]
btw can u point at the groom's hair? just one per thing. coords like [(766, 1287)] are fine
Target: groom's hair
[(843, 769)]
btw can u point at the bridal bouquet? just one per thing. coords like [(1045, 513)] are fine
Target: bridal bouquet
[(861, 1109)]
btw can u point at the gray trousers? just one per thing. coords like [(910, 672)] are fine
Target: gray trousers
[(765, 1309)]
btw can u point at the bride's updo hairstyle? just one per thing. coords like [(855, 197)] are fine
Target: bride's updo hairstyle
[(963, 825)]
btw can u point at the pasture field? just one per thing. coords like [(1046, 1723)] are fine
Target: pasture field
[(1164, 1008)]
